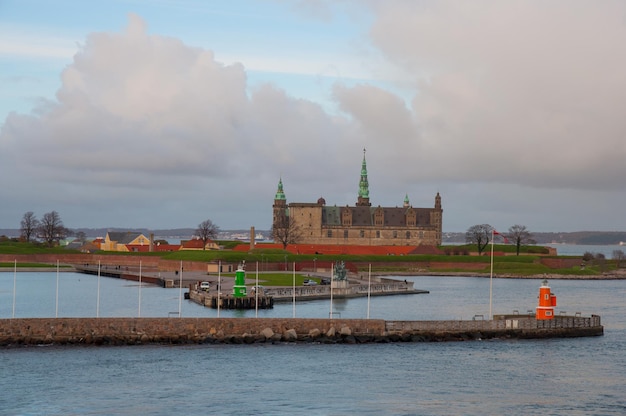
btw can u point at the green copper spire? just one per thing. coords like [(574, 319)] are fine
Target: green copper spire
[(280, 194), (364, 191)]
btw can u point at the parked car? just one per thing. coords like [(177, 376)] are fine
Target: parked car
[(309, 282), (205, 286), (325, 281), (259, 288)]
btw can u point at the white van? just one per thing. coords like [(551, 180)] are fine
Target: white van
[(205, 286)]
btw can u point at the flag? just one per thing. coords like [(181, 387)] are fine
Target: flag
[(506, 240)]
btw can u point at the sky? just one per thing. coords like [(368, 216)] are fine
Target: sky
[(162, 114)]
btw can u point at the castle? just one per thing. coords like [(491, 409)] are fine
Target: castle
[(362, 224)]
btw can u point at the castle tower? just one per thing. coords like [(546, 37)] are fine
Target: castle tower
[(364, 192), (279, 207), (406, 201), (547, 302)]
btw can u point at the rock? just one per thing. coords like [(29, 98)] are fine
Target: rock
[(331, 332), (345, 331), (290, 335), (315, 333), (267, 333)]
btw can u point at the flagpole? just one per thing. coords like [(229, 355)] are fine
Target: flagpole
[(219, 285), (294, 289), (98, 300), (369, 291), (139, 308), (256, 293), (180, 291), (14, 283), (491, 278), (332, 271), (56, 301)]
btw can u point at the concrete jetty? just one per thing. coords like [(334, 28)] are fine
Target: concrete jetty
[(135, 331)]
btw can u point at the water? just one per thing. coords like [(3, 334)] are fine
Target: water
[(516, 377)]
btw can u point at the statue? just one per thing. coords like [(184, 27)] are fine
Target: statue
[(340, 271)]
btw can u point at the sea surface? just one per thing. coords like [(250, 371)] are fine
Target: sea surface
[(580, 376)]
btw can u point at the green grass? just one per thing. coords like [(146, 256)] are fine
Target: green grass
[(522, 265)]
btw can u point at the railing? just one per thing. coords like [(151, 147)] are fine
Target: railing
[(559, 322)]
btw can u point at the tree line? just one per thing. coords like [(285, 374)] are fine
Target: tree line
[(50, 229), (482, 234)]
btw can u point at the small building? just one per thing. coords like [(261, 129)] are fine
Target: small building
[(121, 240), (197, 244)]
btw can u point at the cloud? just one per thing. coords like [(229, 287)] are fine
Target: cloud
[(514, 102), (149, 117), (520, 92)]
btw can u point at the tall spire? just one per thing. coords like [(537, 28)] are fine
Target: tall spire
[(280, 194), (364, 192)]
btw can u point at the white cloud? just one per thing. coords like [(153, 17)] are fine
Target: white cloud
[(515, 105)]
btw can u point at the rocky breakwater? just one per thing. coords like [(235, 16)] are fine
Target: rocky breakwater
[(132, 331)]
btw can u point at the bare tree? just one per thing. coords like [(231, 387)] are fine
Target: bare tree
[(286, 232), (618, 256), (520, 236), (480, 235), (51, 228), (28, 226), (81, 236), (206, 231)]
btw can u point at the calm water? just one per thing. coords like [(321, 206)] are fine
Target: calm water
[(552, 377)]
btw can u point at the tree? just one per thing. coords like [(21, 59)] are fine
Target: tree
[(285, 231), (479, 235), (29, 226), (80, 236), (618, 256), (51, 228), (206, 231), (519, 235)]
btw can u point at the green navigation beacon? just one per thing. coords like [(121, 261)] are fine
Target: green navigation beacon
[(239, 289)]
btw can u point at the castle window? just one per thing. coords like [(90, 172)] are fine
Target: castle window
[(345, 233), (377, 233), (330, 233), (395, 234), (362, 233), (408, 235)]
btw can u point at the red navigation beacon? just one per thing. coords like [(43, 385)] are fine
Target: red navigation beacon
[(547, 302)]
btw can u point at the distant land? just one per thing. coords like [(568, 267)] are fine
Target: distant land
[(575, 237)]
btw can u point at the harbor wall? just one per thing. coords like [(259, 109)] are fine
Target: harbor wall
[(130, 331)]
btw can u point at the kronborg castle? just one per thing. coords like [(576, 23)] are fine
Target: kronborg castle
[(361, 224)]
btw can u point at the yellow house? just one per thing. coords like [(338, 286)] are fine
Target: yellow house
[(119, 240)]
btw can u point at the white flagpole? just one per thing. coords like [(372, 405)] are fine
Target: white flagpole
[(332, 270), (219, 285), (369, 291), (491, 278), (294, 289), (256, 293), (139, 310), (98, 300), (14, 283), (56, 300), (180, 291)]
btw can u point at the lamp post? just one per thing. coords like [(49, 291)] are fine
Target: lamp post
[(315, 265)]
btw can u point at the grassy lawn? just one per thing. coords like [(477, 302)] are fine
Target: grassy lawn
[(522, 265)]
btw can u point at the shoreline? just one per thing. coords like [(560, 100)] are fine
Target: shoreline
[(620, 275)]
